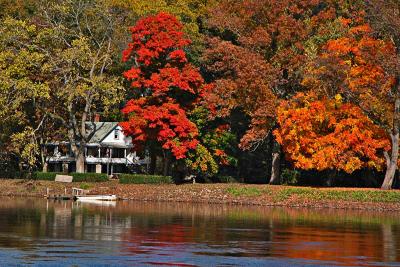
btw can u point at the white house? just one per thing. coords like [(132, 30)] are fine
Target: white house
[(108, 151)]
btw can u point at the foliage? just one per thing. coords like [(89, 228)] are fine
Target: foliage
[(82, 81), (354, 67), (84, 186), (21, 74), (216, 136), (326, 134), (190, 13), (366, 71), (89, 177), (167, 86), (77, 177), (47, 176), (244, 80), (25, 146), (144, 179), (201, 161), (290, 177), (259, 56), (20, 9)]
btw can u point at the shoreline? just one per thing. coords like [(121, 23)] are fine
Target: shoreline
[(230, 194)]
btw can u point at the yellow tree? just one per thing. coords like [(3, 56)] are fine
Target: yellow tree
[(22, 86)]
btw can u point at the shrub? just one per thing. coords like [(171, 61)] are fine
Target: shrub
[(89, 177), (77, 177), (144, 179), (290, 177), (48, 176), (84, 186)]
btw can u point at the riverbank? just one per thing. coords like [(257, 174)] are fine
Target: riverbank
[(237, 194)]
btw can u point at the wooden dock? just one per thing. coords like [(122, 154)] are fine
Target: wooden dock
[(60, 197), (64, 196)]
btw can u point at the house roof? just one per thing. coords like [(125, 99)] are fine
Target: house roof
[(102, 130)]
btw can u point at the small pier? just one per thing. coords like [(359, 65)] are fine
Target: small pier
[(60, 197), (65, 196)]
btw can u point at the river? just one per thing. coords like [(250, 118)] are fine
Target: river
[(38, 232)]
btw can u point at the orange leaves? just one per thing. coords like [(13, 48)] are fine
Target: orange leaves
[(362, 56), (359, 66), (328, 134)]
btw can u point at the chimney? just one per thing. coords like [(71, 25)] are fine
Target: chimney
[(96, 117)]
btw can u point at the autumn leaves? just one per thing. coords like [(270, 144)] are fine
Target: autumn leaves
[(315, 75)]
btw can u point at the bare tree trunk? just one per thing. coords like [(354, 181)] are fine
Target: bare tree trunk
[(391, 161), (276, 164), (79, 158), (80, 163), (167, 158), (45, 167), (153, 162)]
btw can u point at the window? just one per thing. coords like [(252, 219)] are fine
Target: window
[(116, 134)]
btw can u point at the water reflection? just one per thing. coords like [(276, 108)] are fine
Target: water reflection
[(37, 231)]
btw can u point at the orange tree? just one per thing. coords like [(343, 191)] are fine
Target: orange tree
[(365, 70), (324, 134), (166, 90)]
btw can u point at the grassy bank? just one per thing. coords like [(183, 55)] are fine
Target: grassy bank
[(314, 194), (238, 194)]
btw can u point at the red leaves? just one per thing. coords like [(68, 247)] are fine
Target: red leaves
[(153, 36), (178, 55), (167, 124), (161, 73)]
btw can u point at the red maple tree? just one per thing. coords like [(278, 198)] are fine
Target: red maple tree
[(166, 86)]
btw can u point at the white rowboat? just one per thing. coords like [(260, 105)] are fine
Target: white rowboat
[(98, 198)]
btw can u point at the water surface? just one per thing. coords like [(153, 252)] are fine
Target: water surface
[(38, 232)]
